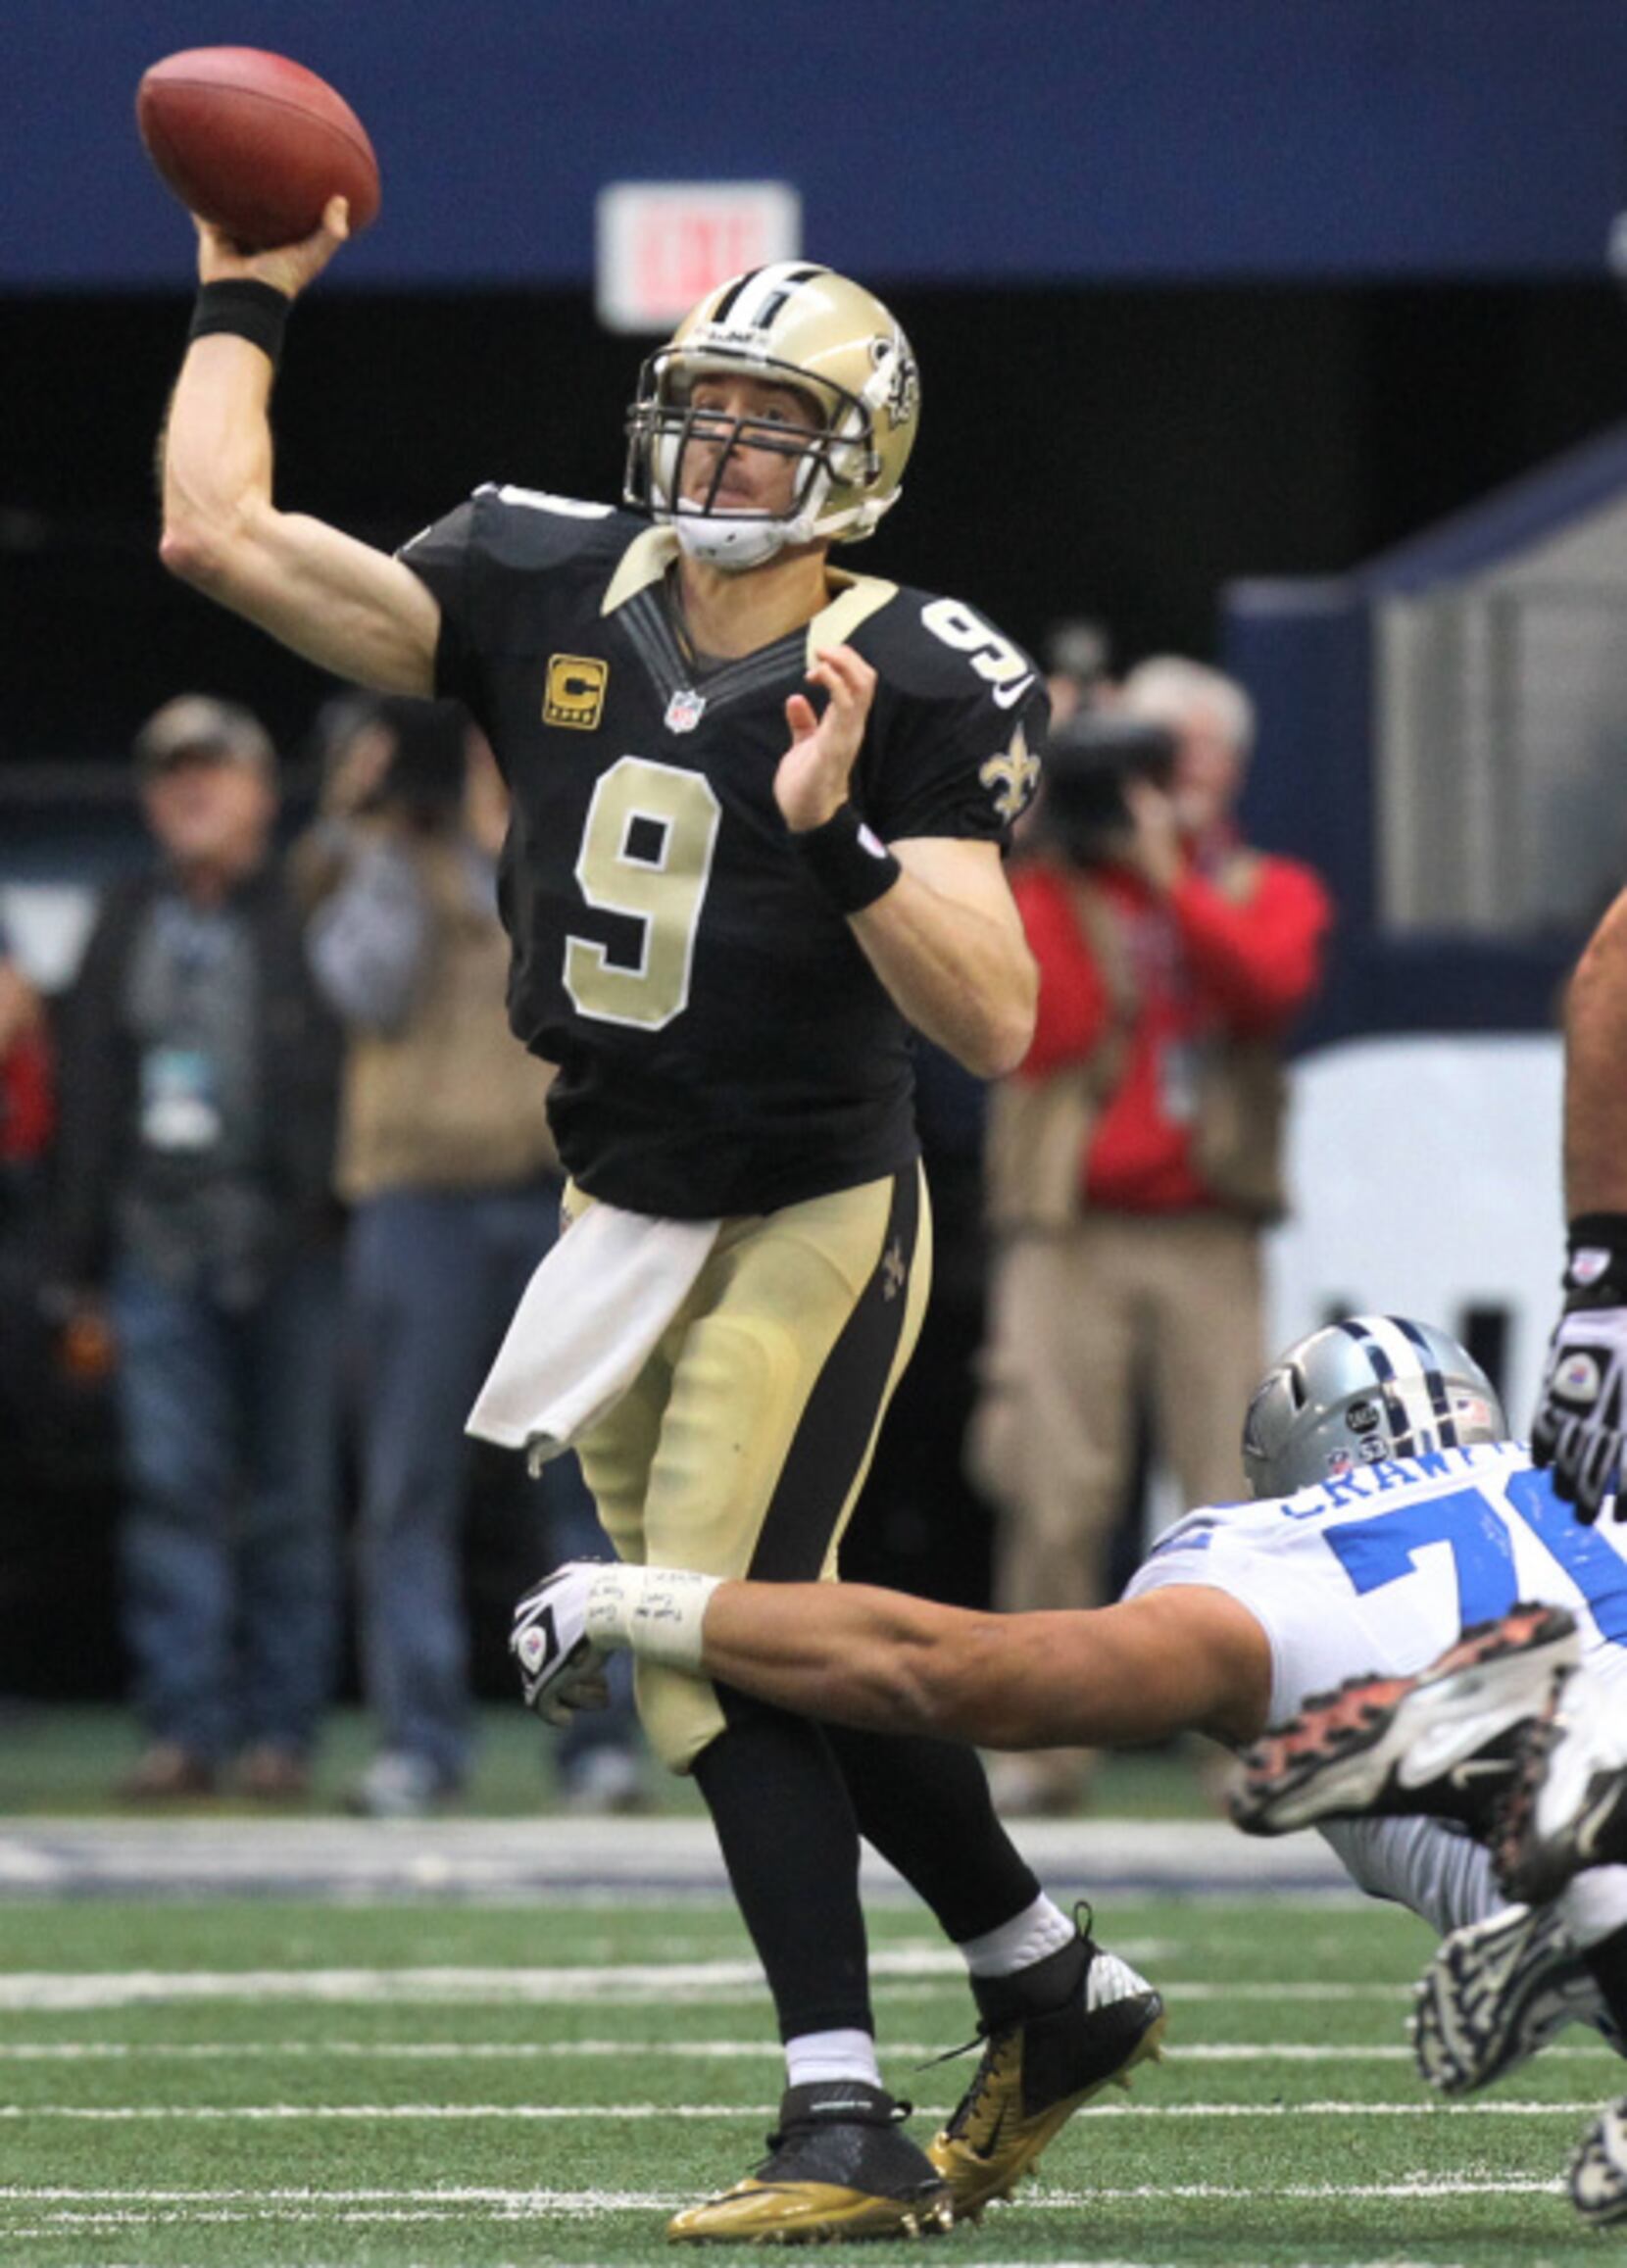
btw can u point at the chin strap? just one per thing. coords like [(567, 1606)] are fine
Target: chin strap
[(734, 545), (726, 540)]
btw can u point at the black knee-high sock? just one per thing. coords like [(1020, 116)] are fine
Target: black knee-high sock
[(790, 1843), (925, 1806)]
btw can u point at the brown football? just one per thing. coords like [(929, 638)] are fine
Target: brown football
[(255, 143)]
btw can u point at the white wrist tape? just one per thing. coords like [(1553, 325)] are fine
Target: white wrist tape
[(658, 1611)]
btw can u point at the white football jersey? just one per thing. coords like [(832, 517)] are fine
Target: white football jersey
[(1377, 1571)]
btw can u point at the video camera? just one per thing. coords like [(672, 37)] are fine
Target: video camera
[(1087, 760)]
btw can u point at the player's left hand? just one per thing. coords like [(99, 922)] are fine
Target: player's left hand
[(560, 1669), (1580, 1428), (812, 783)]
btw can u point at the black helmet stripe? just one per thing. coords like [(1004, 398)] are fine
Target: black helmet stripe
[(720, 313), (760, 318)]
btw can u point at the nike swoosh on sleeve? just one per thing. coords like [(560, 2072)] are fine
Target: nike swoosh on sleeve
[(1007, 696)]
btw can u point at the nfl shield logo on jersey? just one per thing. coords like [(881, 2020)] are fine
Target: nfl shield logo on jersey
[(685, 710)]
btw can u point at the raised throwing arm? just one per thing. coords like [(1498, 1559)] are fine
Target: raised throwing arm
[(340, 602)]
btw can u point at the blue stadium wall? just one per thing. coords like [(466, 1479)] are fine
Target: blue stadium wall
[(941, 140), (1203, 293)]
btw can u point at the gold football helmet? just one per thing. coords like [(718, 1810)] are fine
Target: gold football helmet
[(791, 325)]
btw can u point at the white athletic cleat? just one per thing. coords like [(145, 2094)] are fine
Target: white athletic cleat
[(1438, 1743), (1599, 2170), (1567, 1807), (1495, 1993)]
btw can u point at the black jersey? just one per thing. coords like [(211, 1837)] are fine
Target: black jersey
[(724, 1046)]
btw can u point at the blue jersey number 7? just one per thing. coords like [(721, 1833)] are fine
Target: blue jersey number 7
[(1382, 1548)]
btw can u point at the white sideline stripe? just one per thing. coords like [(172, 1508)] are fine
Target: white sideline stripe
[(636, 1983), (700, 2050), (124, 2115), (636, 1860)]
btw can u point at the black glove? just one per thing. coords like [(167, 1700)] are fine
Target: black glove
[(1580, 1428)]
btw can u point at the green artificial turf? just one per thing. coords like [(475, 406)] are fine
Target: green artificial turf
[(252, 2084), (63, 1759)]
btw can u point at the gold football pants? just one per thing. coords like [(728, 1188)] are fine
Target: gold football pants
[(741, 1447)]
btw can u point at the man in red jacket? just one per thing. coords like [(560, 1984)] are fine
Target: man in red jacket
[(1136, 1155), (27, 1107)]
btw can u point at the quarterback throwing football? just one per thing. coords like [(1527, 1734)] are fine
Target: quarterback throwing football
[(759, 807)]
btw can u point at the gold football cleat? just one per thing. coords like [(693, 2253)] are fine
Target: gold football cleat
[(1042, 2062), (837, 2166)]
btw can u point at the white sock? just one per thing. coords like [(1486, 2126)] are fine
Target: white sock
[(1593, 1907), (1040, 1929), (812, 2058)]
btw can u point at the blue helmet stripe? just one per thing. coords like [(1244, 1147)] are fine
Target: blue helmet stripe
[(1439, 1399), (1384, 1370)]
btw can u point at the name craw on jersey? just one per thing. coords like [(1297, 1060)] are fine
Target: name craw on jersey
[(1375, 1572)]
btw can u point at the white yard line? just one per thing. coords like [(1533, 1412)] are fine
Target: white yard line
[(537, 2203), (633, 1983), (566, 2113), (672, 2051), (58, 2212)]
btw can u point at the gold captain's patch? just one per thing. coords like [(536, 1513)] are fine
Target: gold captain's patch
[(576, 693)]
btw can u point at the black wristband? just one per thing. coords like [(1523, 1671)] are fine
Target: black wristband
[(1596, 1264), (245, 309), (853, 867)]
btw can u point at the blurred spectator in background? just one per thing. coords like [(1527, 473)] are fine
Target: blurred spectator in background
[(27, 1119), (193, 1219), (1077, 656), (454, 1185), (1135, 1157), (27, 1108)]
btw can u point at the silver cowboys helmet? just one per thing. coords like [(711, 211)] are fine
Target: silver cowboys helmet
[(1368, 1388), (790, 324)]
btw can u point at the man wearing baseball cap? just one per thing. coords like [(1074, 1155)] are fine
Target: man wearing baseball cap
[(198, 1085)]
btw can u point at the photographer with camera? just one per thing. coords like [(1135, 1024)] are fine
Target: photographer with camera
[(1135, 1157), (452, 1182)]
